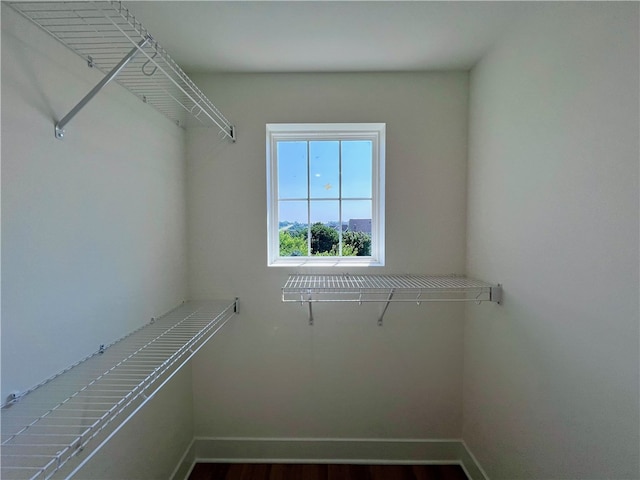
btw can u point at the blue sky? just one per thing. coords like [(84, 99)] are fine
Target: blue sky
[(314, 168)]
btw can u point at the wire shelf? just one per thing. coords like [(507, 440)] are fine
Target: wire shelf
[(376, 288), (305, 288), (73, 414), (103, 33)]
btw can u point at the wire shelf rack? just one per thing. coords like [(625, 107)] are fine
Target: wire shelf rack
[(106, 32), (306, 288), (65, 420)]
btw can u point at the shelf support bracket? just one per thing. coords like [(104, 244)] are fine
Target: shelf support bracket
[(310, 310), (496, 294), (59, 131), (386, 306)]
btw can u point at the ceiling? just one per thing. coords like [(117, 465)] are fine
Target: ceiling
[(326, 36)]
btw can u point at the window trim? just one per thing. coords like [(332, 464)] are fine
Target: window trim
[(330, 131)]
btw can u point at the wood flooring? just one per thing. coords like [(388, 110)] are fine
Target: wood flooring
[(264, 471)]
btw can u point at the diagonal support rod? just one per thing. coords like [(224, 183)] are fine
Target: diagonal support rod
[(110, 76), (386, 306)]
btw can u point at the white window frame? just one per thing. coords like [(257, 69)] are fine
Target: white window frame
[(327, 131)]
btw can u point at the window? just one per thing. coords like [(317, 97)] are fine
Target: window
[(325, 194)]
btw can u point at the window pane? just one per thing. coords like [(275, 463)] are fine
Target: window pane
[(292, 169), (324, 169), (357, 161), (292, 229), (356, 214), (356, 237), (325, 222)]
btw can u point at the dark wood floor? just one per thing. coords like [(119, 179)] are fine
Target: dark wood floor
[(263, 471)]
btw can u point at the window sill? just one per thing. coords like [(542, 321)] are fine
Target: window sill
[(326, 262)]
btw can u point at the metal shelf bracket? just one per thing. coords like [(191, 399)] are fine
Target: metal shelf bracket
[(496, 294), (385, 307), (59, 128)]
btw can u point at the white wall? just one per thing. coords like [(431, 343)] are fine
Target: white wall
[(551, 377), (270, 374), (93, 227)]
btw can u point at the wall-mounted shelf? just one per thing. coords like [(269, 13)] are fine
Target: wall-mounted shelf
[(111, 39), (310, 289), (59, 425)]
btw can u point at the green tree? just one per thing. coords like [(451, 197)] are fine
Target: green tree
[(323, 239), (360, 242), (347, 251), (298, 230), (292, 245)]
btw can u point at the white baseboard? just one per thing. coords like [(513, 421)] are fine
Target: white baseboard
[(186, 464), (474, 469), (328, 450)]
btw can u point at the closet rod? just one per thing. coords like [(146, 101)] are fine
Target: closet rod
[(103, 83)]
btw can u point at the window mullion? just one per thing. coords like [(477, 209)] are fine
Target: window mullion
[(340, 198), (308, 201)]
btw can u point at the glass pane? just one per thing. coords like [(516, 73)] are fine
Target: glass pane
[(356, 237), (357, 161), (324, 169), (325, 223), (292, 227), (292, 169)]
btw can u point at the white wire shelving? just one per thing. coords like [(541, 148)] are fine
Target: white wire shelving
[(110, 38), (307, 288), (52, 430)]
